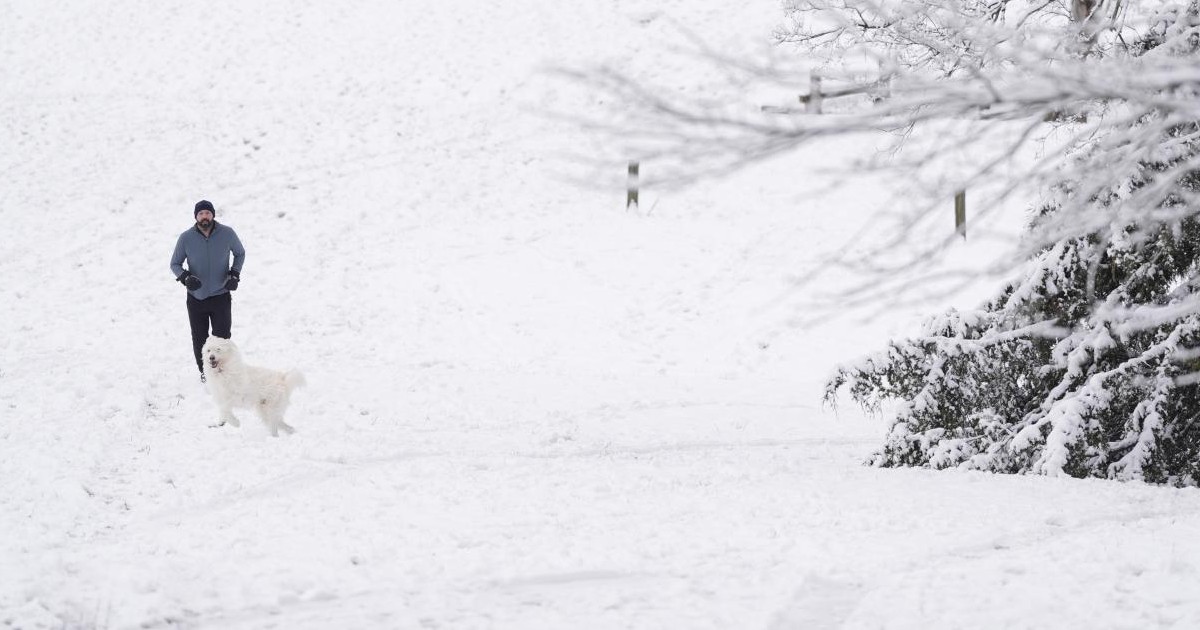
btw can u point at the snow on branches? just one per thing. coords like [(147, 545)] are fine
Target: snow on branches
[(1042, 379), (1087, 364), (1024, 97)]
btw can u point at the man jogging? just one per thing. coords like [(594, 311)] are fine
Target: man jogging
[(209, 277)]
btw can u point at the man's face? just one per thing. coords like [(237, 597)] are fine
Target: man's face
[(204, 218)]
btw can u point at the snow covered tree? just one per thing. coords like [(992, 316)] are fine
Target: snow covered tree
[(1101, 95), (1087, 364)]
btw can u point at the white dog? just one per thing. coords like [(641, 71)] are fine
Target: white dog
[(235, 384)]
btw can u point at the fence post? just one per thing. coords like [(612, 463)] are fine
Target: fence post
[(814, 93), (631, 186), (960, 213)]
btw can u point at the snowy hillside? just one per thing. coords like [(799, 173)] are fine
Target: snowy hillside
[(527, 407)]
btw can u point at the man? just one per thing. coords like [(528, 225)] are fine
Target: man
[(209, 277)]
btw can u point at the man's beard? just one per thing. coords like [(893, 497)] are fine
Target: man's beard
[(206, 223)]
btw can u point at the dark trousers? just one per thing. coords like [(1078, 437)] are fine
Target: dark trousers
[(215, 309)]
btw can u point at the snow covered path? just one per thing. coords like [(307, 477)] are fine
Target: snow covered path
[(527, 407)]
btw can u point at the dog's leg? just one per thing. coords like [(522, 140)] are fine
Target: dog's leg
[(275, 422), (269, 417), (277, 415), (227, 417), (222, 419)]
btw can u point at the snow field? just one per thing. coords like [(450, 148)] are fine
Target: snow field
[(527, 407)]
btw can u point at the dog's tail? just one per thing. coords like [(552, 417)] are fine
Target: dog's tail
[(294, 379)]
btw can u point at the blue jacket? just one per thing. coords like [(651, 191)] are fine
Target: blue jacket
[(208, 258)]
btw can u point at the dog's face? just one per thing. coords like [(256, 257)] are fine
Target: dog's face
[(218, 352)]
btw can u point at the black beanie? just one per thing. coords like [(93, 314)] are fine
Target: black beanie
[(204, 204)]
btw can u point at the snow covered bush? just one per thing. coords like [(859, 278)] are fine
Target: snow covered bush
[(1088, 365)]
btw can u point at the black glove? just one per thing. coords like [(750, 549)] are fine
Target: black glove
[(189, 281), (232, 282)]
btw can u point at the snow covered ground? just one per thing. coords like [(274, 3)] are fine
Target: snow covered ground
[(527, 407)]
